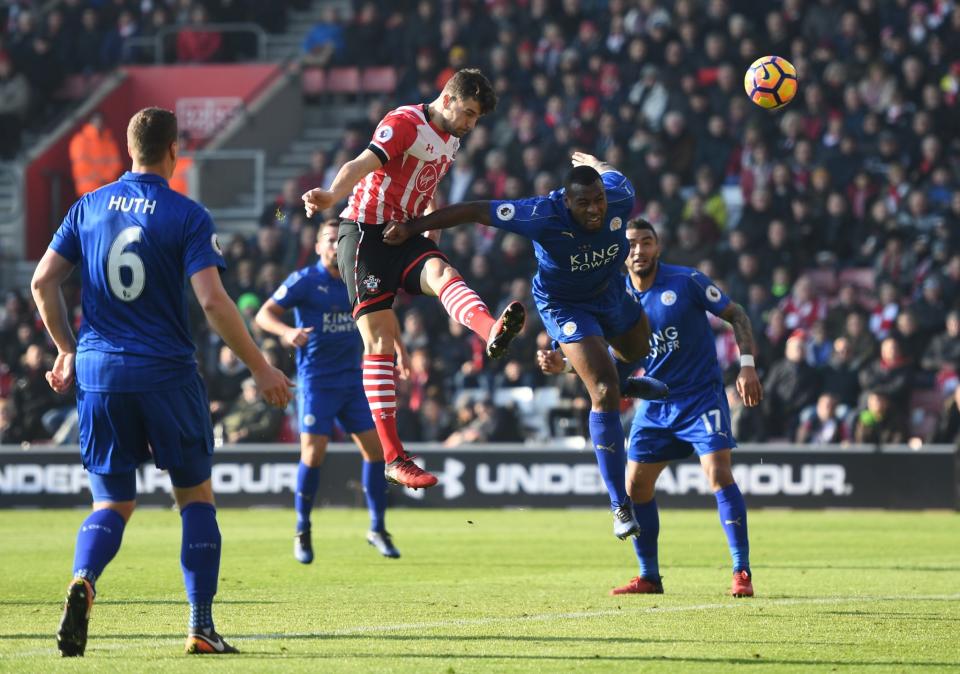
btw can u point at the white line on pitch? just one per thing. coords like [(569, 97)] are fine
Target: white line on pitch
[(541, 617)]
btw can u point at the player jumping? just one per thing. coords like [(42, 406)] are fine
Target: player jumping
[(328, 386), (139, 394), (578, 236), (394, 179), (695, 416)]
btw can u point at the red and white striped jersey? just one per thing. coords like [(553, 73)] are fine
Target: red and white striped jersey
[(416, 155)]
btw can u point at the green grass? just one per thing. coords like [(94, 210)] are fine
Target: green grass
[(502, 591)]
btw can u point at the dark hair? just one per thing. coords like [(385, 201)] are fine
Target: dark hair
[(581, 175), (640, 223), (471, 83), (150, 133)]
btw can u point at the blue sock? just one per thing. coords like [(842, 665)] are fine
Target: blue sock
[(98, 540), (375, 491), (733, 517), (200, 560), (624, 370), (308, 479), (606, 433), (646, 543)]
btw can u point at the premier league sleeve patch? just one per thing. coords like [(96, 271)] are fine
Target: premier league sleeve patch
[(506, 212), (713, 293)]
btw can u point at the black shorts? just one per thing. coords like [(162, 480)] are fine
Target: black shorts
[(373, 270)]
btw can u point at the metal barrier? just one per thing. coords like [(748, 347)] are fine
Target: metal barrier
[(156, 43), (218, 191)]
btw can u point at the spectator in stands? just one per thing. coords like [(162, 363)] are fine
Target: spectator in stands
[(790, 386), (196, 44), (803, 307), (315, 176), (94, 156), (890, 375), (324, 44), (10, 430), (489, 424), (14, 102), (846, 303), (822, 424), (943, 354), (184, 173), (88, 42), (948, 424), (930, 309), (840, 378), (32, 397), (884, 315), (250, 419), (876, 424), (224, 382)]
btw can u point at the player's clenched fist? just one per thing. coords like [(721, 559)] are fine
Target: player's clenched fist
[(317, 200), (396, 233), (60, 377), (274, 386), (296, 337), (549, 361)]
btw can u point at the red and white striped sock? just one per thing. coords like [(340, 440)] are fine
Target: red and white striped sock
[(466, 307), (379, 383)]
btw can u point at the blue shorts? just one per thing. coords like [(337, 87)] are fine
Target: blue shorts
[(610, 314), (121, 431), (674, 428), (319, 406)]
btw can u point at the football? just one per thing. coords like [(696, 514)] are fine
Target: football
[(771, 82)]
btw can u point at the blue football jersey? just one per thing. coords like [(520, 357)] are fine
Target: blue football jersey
[(683, 353), (136, 242), (572, 264), (332, 355)]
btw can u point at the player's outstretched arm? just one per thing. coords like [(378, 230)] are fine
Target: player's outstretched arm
[(748, 383), (319, 199), (268, 318), (49, 275), (223, 316), (449, 216)]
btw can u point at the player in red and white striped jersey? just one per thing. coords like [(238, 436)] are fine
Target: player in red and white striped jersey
[(394, 179)]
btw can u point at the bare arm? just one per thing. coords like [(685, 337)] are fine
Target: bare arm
[(224, 318), (49, 275), (319, 199), (748, 384), (268, 318), (449, 216)]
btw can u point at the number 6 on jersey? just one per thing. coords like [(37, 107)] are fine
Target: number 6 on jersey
[(117, 259)]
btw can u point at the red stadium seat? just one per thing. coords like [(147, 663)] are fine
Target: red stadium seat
[(824, 280), (343, 81), (314, 81), (379, 80)]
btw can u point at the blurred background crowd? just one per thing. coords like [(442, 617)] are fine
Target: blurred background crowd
[(835, 222)]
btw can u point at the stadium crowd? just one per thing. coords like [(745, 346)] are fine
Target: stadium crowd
[(835, 222), (43, 43)]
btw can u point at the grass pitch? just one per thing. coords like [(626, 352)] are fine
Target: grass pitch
[(517, 591)]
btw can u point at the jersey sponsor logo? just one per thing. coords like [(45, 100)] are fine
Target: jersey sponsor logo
[(594, 259), (569, 328), (139, 205), (427, 178), (384, 133), (338, 321), (668, 298), (616, 224), (506, 212), (309, 420), (280, 293), (215, 243), (664, 341), (372, 284), (713, 293)]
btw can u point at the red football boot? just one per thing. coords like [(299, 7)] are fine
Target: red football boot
[(405, 472), (640, 585), (742, 584)]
